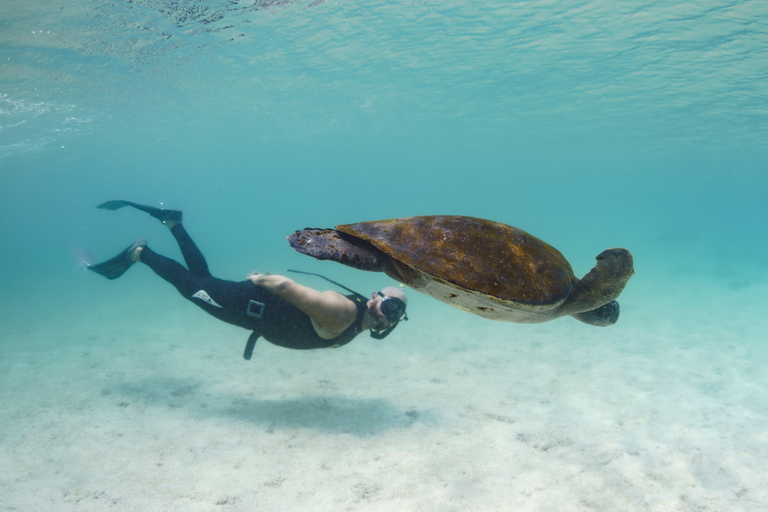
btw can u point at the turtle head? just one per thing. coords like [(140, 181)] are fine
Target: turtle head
[(601, 286), (614, 264), (613, 270)]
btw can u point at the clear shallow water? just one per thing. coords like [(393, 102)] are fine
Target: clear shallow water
[(589, 124), (570, 119)]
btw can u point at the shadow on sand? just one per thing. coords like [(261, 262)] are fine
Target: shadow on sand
[(331, 413)]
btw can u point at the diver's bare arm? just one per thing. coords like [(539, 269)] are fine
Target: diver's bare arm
[(331, 310)]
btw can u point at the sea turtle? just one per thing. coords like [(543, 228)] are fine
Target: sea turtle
[(490, 269)]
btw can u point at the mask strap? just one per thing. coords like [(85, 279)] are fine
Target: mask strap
[(329, 280)]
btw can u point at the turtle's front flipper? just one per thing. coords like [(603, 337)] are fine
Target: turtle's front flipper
[(329, 244)]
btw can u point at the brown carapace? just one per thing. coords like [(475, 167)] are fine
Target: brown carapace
[(487, 268)]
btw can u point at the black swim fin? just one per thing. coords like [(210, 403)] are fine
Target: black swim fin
[(115, 267), (158, 213)]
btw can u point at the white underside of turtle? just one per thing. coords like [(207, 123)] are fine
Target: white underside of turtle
[(481, 304)]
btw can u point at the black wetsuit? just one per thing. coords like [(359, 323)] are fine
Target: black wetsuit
[(281, 322)]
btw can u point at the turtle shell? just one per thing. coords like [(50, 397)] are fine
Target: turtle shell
[(476, 255)]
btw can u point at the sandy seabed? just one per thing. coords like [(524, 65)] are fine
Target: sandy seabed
[(146, 404)]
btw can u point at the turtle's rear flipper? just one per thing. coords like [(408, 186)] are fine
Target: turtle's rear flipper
[(329, 244), (605, 315)]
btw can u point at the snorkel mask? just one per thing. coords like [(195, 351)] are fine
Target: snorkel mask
[(392, 308)]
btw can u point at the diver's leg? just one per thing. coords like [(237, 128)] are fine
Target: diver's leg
[(192, 255), (225, 300), (172, 271)]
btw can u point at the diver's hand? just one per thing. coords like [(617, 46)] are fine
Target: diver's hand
[(257, 278), (254, 277)]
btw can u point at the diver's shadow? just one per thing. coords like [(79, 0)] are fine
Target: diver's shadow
[(327, 413), (332, 414)]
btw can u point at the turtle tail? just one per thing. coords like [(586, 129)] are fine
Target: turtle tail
[(329, 244)]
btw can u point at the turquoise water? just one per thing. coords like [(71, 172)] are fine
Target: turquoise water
[(591, 124)]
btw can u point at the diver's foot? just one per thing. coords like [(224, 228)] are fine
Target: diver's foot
[(136, 253), (116, 266), (170, 223), (168, 217)]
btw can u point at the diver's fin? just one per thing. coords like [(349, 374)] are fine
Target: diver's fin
[(250, 345), (158, 213), (115, 267), (83, 257)]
